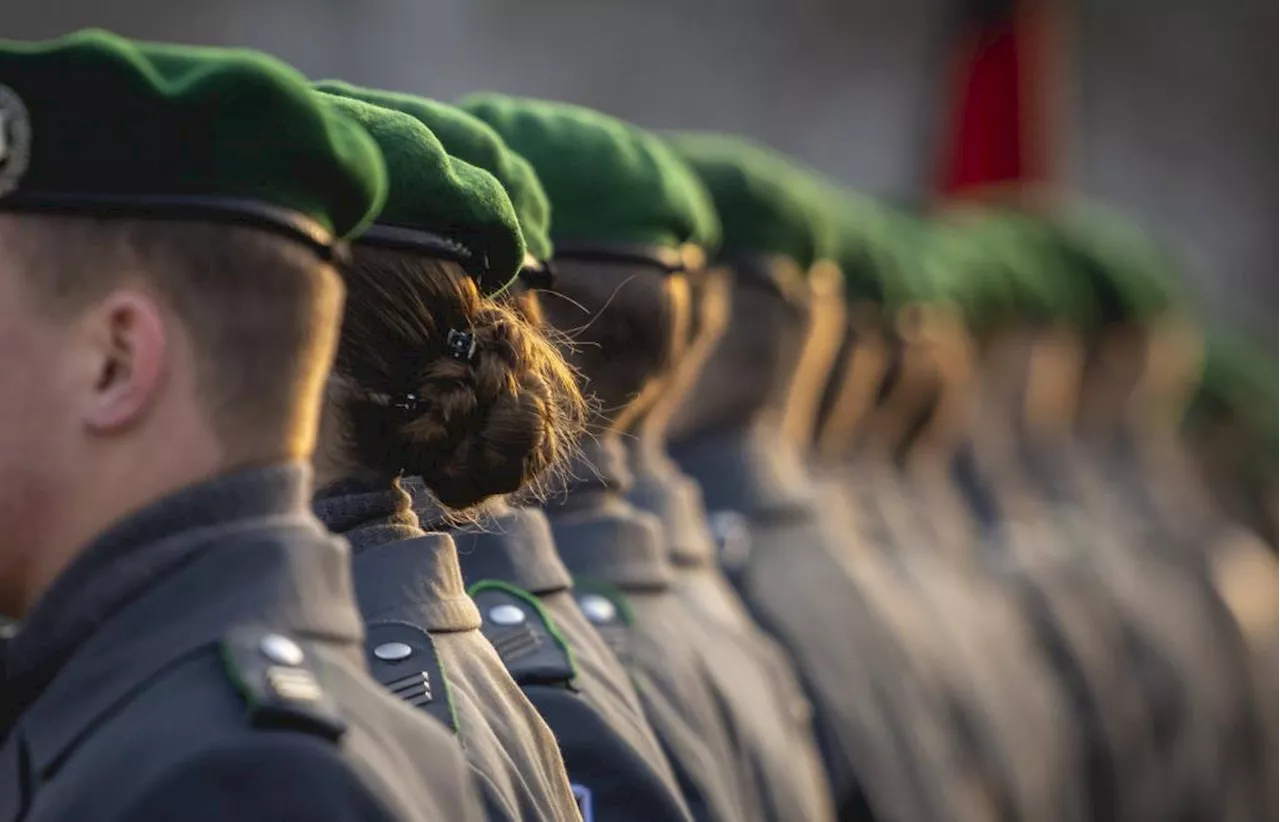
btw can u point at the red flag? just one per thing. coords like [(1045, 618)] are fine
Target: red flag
[(997, 126)]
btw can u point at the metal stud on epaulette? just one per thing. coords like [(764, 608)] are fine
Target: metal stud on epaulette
[(278, 683)]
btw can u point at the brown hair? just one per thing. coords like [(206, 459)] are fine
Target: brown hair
[(471, 428), (262, 310)]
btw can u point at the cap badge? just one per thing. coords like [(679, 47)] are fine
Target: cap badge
[(15, 140)]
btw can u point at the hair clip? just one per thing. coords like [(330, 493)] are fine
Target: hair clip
[(407, 402), (461, 345)]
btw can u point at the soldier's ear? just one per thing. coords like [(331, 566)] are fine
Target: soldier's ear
[(125, 356)]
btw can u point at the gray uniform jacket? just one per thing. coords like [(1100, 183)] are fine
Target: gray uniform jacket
[(995, 692), (201, 660), (615, 762), (797, 582), (1212, 745), (616, 552), (425, 644), (769, 715)]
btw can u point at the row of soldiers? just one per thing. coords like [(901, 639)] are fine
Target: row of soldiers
[(370, 457)]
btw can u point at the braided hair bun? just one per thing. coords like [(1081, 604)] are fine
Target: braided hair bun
[(488, 410)]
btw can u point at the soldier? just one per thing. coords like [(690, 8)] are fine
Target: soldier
[(622, 208), (1078, 628), (856, 413), (509, 557), (897, 420), (435, 380), (729, 436), (1135, 480), (1129, 637), (1231, 427), (189, 647), (756, 683), (895, 391)]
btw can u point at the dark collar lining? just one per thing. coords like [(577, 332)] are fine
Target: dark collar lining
[(367, 514)]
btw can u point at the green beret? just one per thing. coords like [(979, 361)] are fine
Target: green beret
[(882, 253), (926, 272), (1005, 266), (1130, 277), (93, 123), (472, 140), (768, 204), (438, 205), (1239, 383), (609, 182)]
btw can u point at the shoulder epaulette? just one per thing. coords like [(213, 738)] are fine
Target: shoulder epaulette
[(524, 634), (403, 658), (274, 674), (608, 611)]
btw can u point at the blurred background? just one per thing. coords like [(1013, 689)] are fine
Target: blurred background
[(1166, 109)]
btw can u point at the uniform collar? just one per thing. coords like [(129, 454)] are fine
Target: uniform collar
[(752, 471), (431, 514), (607, 539), (512, 545), (367, 514), (664, 490), (600, 536), (401, 572), (601, 466), (509, 544), (415, 580), (167, 581)]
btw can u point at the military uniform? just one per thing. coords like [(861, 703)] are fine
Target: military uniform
[(206, 641), (201, 657), (797, 584), (767, 711), (425, 644), (1125, 628), (613, 758), (510, 564), (1196, 662), (616, 554)]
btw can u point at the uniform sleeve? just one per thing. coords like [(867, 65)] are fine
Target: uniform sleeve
[(276, 777)]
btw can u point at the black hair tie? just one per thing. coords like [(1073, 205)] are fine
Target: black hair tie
[(461, 345)]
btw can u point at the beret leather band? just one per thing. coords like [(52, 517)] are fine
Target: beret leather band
[(669, 260), (176, 207), (424, 242), (760, 270), (536, 273)]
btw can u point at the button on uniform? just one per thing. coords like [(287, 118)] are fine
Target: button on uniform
[(281, 650), (506, 615), (392, 651), (597, 609)]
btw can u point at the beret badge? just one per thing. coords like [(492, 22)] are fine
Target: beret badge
[(15, 140)]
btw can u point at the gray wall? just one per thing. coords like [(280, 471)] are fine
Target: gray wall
[(1176, 120), (1173, 112)]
